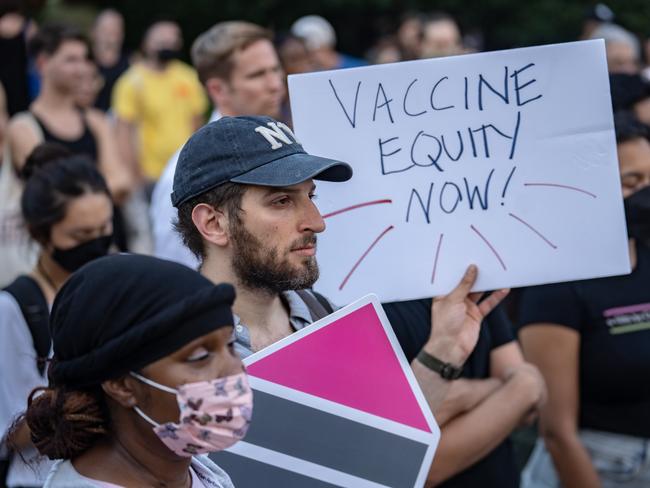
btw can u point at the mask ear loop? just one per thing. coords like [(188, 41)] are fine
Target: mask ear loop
[(153, 384), (145, 416)]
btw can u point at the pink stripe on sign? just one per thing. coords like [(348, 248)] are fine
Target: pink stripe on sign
[(350, 362), (641, 307)]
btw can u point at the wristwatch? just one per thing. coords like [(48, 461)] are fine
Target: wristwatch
[(445, 370)]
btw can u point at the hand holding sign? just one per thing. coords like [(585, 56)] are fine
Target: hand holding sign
[(456, 320)]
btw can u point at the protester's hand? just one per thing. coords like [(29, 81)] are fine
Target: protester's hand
[(457, 401), (529, 382), (456, 320), (463, 396)]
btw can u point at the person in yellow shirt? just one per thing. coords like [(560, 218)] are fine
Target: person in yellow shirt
[(158, 103)]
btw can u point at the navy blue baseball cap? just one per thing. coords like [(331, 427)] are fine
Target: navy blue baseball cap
[(248, 150)]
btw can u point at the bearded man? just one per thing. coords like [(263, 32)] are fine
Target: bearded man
[(244, 190)]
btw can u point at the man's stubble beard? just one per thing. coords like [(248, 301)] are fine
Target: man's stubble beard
[(260, 268)]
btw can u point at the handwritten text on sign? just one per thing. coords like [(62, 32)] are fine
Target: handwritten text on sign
[(504, 159)]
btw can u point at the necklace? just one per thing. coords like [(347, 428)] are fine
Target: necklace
[(46, 276)]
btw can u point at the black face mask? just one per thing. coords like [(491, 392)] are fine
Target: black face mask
[(74, 258), (167, 55), (637, 214)]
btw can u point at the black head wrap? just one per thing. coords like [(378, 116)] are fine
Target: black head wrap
[(119, 313)]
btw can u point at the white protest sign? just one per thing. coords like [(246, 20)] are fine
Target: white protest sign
[(504, 159)]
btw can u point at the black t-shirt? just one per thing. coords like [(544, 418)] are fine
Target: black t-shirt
[(612, 316), (411, 322)]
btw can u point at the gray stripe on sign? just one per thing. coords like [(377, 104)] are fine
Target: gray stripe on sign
[(246, 472), (333, 441)]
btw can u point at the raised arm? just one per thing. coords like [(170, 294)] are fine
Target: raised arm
[(455, 324)]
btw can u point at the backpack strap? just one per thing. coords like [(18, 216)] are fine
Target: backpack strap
[(319, 307), (34, 307)]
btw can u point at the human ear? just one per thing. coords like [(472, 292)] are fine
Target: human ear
[(122, 390), (217, 90), (211, 223)]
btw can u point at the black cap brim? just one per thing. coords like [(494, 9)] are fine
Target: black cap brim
[(294, 169)]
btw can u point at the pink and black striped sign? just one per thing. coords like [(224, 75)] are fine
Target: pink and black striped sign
[(336, 404)]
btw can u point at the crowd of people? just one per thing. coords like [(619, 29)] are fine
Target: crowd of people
[(123, 369)]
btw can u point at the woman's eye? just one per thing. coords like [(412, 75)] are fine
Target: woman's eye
[(80, 236), (631, 180), (313, 196), (198, 355)]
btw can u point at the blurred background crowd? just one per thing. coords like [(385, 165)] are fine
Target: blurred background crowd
[(126, 83)]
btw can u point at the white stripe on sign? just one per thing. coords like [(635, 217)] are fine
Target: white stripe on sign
[(301, 466)]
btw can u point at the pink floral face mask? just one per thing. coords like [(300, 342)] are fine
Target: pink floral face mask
[(214, 414)]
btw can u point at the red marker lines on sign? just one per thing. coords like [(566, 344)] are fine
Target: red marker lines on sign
[(354, 207), (533, 229), (503, 265), (566, 187), (363, 256), (435, 262)]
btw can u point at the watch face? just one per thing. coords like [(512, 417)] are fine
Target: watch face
[(447, 372)]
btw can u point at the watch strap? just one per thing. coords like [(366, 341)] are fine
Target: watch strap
[(446, 370)]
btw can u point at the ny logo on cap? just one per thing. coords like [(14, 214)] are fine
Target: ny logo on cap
[(277, 134)]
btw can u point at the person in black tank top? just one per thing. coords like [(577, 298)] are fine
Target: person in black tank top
[(61, 54), (85, 145)]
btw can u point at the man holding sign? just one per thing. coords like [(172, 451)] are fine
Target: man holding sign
[(244, 189)]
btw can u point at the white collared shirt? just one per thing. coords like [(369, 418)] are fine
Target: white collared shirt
[(299, 318)]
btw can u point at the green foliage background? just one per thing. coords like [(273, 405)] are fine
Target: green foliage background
[(503, 23)]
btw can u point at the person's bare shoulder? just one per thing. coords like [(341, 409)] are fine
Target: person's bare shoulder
[(20, 124), (22, 137), (96, 119)]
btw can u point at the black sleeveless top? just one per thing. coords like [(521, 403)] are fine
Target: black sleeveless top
[(86, 145)]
